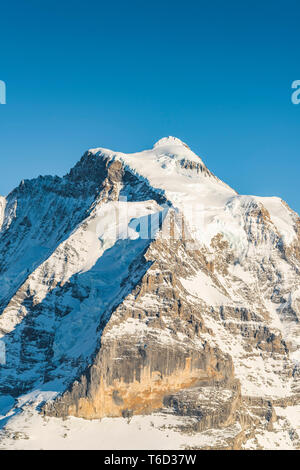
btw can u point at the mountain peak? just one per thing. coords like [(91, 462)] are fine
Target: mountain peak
[(169, 141), (145, 273)]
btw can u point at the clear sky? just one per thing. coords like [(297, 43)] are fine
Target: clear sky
[(122, 74)]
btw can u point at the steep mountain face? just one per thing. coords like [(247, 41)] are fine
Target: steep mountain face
[(141, 282)]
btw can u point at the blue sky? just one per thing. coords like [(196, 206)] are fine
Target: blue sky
[(122, 75)]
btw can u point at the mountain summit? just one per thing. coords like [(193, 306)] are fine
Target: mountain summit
[(169, 141), (141, 284)]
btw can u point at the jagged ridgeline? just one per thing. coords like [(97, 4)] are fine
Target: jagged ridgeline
[(142, 282)]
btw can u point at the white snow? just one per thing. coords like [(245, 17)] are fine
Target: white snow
[(30, 431), (202, 286), (281, 216), (2, 210), (285, 434)]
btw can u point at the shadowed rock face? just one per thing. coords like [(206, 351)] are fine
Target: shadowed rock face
[(134, 320)]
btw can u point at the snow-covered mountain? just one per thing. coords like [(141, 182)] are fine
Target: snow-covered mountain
[(141, 284)]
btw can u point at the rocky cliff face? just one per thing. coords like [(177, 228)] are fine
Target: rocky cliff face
[(142, 282)]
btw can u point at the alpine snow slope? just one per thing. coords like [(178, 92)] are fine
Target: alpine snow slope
[(140, 289)]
